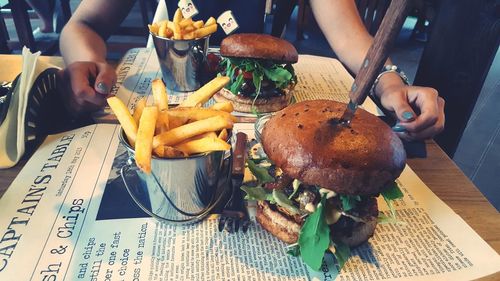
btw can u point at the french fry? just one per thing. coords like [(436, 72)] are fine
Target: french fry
[(162, 123), (168, 152), (226, 106), (203, 145), (210, 21), (204, 93), (189, 35), (170, 25), (160, 95), (174, 121), (162, 30), (200, 136), (125, 118), (177, 135), (204, 31), (223, 135), (139, 107), (177, 32), (185, 23), (144, 141), (198, 24), (154, 28), (198, 113), (177, 16), (190, 28)]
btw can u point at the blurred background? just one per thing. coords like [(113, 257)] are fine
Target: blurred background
[(451, 45)]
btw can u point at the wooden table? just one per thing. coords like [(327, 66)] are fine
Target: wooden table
[(437, 171)]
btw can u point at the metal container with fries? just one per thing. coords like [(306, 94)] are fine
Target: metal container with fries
[(178, 190), (181, 61)]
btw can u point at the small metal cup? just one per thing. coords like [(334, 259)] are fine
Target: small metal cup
[(181, 62), (178, 190)]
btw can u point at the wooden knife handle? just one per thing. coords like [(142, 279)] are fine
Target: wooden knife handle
[(379, 50), (239, 153)]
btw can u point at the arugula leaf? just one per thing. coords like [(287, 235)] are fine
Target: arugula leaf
[(293, 250), (261, 173), (295, 184), (279, 75), (236, 86), (282, 200), (349, 202), (257, 193), (383, 219), (390, 193), (314, 237), (342, 253)]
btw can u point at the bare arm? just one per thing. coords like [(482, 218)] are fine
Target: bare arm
[(82, 39), (340, 22), (88, 78)]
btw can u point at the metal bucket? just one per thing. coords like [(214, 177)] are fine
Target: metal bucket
[(178, 190), (181, 62)]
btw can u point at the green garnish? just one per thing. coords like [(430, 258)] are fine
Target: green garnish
[(349, 202), (257, 193), (342, 253), (314, 237), (282, 200), (295, 184), (390, 193), (261, 173)]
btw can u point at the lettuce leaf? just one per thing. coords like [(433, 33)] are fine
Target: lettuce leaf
[(314, 237), (257, 193), (261, 173), (390, 193), (342, 253), (349, 202), (282, 200)]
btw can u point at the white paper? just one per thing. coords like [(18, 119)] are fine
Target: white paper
[(68, 216), (64, 218)]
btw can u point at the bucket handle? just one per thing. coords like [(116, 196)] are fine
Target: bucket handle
[(194, 216)]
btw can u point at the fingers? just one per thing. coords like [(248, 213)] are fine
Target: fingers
[(426, 100), (105, 79), (83, 77), (420, 111), (432, 130)]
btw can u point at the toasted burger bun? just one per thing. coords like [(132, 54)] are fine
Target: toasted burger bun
[(356, 160), (262, 105), (258, 46), (287, 230)]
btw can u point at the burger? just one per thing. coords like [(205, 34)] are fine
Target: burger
[(261, 72), (316, 182)]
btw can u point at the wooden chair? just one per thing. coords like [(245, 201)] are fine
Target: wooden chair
[(21, 17), (372, 12), (4, 37)]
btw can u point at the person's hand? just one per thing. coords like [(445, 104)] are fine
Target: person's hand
[(86, 85), (419, 110)]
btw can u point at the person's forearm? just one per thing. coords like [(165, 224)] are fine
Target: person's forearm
[(340, 22), (79, 42)]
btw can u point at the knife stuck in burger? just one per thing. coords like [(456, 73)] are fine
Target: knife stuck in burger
[(317, 183)]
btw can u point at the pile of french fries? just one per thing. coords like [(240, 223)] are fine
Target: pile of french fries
[(181, 28), (175, 132)]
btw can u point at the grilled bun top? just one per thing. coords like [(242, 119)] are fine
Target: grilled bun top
[(356, 160), (258, 46)]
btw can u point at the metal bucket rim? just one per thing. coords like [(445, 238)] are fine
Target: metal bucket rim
[(179, 40)]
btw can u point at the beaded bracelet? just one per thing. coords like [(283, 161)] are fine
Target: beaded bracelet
[(388, 69)]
